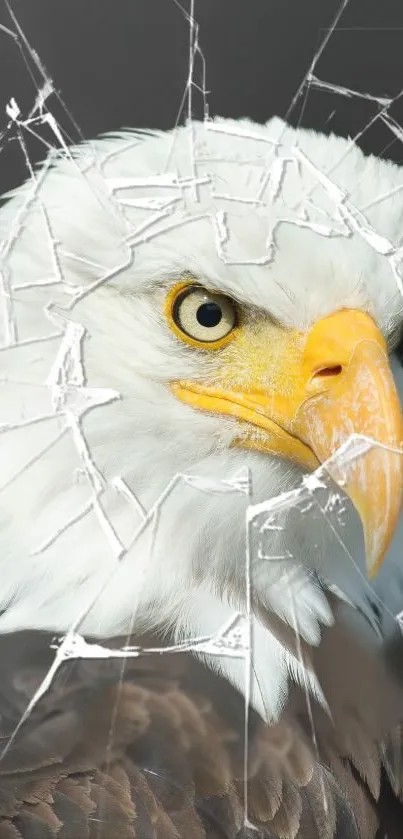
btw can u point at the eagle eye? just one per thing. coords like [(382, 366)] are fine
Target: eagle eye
[(202, 318)]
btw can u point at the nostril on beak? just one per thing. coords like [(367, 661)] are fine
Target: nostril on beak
[(325, 372)]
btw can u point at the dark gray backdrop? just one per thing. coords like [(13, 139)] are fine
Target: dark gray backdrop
[(125, 63)]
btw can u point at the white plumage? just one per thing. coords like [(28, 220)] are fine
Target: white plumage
[(90, 423)]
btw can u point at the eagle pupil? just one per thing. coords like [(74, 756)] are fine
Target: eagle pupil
[(209, 314)]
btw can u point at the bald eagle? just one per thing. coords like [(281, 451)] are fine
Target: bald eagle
[(201, 444)]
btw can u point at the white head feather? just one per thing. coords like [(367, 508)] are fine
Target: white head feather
[(93, 435)]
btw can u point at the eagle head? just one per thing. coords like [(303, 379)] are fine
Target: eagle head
[(194, 321)]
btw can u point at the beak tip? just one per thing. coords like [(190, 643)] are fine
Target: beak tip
[(373, 570), (375, 556)]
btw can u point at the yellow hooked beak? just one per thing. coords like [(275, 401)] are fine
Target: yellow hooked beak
[(302, 396)]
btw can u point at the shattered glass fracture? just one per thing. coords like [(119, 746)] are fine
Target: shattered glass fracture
[(60, 402)]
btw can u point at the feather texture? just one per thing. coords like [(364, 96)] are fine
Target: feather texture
[(93, 439), (156, 751)]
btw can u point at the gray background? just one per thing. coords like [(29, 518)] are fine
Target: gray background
[(125, 62)]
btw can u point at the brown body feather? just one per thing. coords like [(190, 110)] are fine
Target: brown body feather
[(156, 751)]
